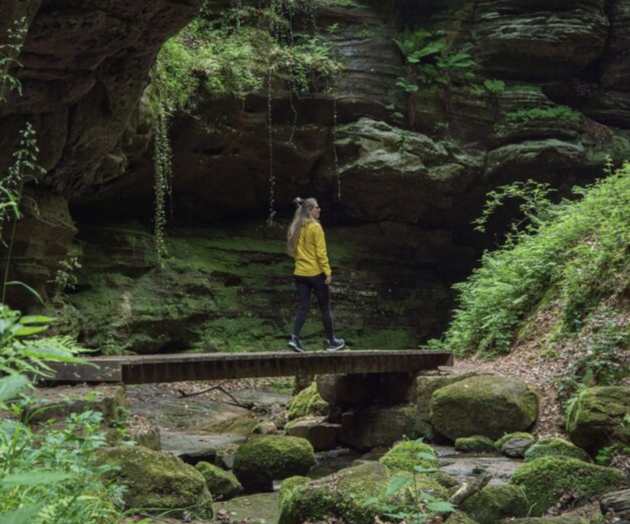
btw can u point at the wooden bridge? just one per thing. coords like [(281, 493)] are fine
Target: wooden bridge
[(215, 366)]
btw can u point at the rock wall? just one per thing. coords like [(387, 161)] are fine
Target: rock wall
[(402, 189)]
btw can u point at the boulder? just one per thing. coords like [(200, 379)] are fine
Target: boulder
[(350, 390), (555, 447), (486, 405), (159, 482), (341, 495), (288, 485), (322, 435), (367, 428), (476, 444), (547, 479), (307, 402), (495, 503), (598, 417), (221, 484), (266, 428), (263, 459), (514, 445)]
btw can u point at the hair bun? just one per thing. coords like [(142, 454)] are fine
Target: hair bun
[(298, 201)]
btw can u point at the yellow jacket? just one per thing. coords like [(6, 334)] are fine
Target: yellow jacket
[(311, 258)]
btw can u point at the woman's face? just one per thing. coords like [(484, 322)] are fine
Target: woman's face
[(316, 211)]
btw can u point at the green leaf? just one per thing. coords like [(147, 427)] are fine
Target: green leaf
[(12, 386), (28, 288), (441, 506), (56, 355), (33, 478), (28, 331), (421, 469), (397, 483), (23, 515), (370, 502), (36, 319), (426, 456)]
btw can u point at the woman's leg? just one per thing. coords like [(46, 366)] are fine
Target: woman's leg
[(322, 292), (304, 294)]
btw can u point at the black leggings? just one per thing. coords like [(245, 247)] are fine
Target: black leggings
[(304, 287)]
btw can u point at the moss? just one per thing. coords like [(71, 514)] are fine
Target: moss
[(599, 417), (221, 484), (511, 436), (288, 485), (495, 503), (406, 456), (546, 479), (342, 495), (555, 447), (476, 444), (307, 402), (159, 481), (459, 517), (483, 405), (263, 459)]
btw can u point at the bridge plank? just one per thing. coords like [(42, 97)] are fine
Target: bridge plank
[(143, 369)]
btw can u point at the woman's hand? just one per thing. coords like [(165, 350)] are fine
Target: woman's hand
[(328, 280)]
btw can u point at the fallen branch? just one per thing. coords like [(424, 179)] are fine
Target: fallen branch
[(219, 387), (468, 489)]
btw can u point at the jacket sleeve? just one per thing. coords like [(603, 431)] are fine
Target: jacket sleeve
[(320, 250)]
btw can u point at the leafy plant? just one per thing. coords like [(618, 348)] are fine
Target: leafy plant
[(494, 87), (543, 113), (577, 248), (8, 59)]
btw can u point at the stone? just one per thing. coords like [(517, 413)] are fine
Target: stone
[(488, 406), (263, 459), (221, 484), (494, 503), (517, 447), (545, 480), (266, 428), (144, 433), (307, 402), (475, 444), (598, 418), (341, 495), (568, 519), (288, 485), (57, 403), (555, 447), (350, 390), (159, 482), (322, 435), (372, 426)]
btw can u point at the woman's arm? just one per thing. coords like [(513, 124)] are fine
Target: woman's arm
[(321, 252)]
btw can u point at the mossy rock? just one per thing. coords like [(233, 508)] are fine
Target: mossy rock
[(512, 436), (459, 517), (341, 495), (495, 503), (222, 485), (406, 456), (569, 519), (554, 447), (546, 479), (599, 417), (485, 405), (307, 402), (159, 481), (263, 459), (476, 444), (290, 484)]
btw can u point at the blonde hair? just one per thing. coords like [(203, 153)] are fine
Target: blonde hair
[(302, 214)]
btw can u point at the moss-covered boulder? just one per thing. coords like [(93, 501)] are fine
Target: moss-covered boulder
[(342, 495), (546, 479), (554, 447), (485, 405), (221, 484), (288, 485), (159, 481), (495, 503), (307, 402), (476, 444), (263, 459), (514, 445), (406, 456), (599, 417), (459, 517), (321, 434), (511, 436)]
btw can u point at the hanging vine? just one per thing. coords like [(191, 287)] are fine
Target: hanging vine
[(272, 178)]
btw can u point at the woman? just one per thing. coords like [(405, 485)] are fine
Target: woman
[(307, 245)]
